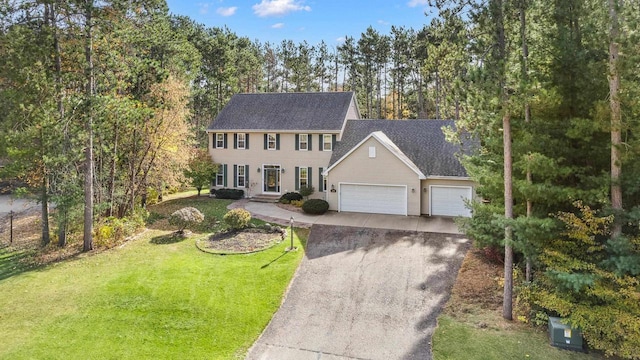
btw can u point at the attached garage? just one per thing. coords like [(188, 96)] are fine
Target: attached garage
[(449, 200), (373, 199)]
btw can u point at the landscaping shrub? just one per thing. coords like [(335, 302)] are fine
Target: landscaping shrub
[(186, 217), (306, 191), (297, 203), (237, 218), (113, 230), (289, 197), (233, 194), (315, 206)]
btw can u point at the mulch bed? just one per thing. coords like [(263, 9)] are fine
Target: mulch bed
[(240, 242)]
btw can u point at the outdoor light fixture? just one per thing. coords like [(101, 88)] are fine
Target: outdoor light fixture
[(333, 188), (424, 189), (291, 248), (259, 169), (283, 170), (413, 190)]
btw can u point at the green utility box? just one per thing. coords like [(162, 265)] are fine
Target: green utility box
[(563, 336)]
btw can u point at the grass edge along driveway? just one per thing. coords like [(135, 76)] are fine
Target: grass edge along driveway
[(145, 300)]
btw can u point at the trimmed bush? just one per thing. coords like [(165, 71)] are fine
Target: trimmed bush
[(233, 194), (237, 218), (315, 206), (297, 203), (289, 197), (186, 217)]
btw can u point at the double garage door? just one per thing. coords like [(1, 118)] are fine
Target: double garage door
[(392, 199), (375, 199)]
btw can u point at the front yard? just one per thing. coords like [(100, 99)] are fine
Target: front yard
[(144, 299)]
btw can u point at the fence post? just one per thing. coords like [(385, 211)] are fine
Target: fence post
[(11, 227)]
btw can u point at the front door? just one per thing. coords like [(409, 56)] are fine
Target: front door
[(271, 179)]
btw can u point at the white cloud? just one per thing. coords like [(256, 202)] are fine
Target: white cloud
[(414, 3), (382, 22), (341, 39), (279, 7), (277, 26), (227, 11), (204, 8)]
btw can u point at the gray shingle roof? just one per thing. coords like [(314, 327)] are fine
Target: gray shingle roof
[(284, 111), (422, 141)]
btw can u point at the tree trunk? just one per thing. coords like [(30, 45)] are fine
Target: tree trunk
[(616, 117), (45, 210), (527, 111), (507, 307), (88, 177)]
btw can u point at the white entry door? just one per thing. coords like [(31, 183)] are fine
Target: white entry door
[(450, 200), (373, 199)]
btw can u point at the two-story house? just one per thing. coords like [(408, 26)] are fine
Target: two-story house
[(273, 143), (270, 144)]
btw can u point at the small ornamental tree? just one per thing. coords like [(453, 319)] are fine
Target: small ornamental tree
[(307, 191), (237, 219), (201, 170), (186, 217)]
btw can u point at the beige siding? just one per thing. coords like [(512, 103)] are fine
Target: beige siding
[(446, 182), (256, 156), (384, 169)]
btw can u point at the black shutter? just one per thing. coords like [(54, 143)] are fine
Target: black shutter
[(277, 141), (225, 140), (246, 141), (235, 140), (297, 142), (235, 175), (309, 138), (246, 176), (297, 178), (320, 180), (320, 143), (333, 141), (309, 177), (266, 141)]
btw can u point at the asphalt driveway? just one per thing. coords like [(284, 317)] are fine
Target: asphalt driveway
[(363, 293)]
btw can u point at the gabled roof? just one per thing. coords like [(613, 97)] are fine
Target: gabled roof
[(421, 141), (387, 143), (326, 111)]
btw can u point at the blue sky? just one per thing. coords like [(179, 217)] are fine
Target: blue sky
[(298, 20)]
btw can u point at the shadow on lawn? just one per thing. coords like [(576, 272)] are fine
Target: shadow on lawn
[(170, 238), (12, 262)]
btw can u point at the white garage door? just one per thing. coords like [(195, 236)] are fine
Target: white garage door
[(374, 199), (450, 200)]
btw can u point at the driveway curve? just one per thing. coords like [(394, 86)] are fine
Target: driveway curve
[(363, 293)]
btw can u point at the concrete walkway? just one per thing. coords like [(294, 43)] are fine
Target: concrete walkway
[(272, 213)]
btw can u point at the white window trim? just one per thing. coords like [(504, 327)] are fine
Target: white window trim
[(306, 177), (324, 142), (244, 141), (218, 141), (306, 142), (324, 180), (275, 141), (238, 176)]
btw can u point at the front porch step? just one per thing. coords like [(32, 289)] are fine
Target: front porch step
[(265, 198)]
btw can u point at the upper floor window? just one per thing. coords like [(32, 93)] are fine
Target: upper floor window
[(219, 141), (327, 142), (241, 141), (271, 142), (220, 176), (303, 141)]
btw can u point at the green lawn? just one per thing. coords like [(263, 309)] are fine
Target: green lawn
[(454, 339), (146, 299)]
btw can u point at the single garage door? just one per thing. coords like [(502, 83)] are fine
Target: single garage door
[(450, 200), (374, 199)]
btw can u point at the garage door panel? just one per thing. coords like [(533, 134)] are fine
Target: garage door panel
[(374, 199), (450, 201)]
